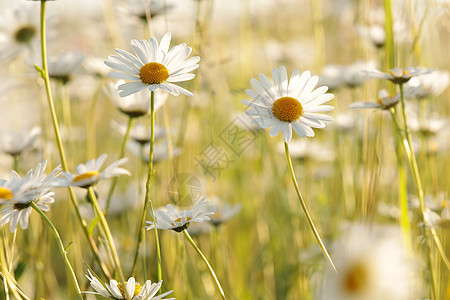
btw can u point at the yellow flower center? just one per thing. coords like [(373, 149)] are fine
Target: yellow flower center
[(25, 34), (86, 175), (356, 279), (179, 219), (122, 287), (5, 193), (287, 109), (153, 73)]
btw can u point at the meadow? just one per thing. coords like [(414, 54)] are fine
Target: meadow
[(216, 149)]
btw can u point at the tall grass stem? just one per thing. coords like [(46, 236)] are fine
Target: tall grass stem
[(305, 209), (60, 246), (210, 269)]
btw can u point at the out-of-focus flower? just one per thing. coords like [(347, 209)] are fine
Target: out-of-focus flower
[(431, 84), (310, 150), (127, 290), (372, 265), (437, 212), (89, 174), (140, 133), (384, 101), (375, 33), (63, 66), (344, 121), (17, 193), (153, 67), (288, 104), (134, 105), (18, 31), (95, 66), (138, 8), (398, 75), (15, 143), (222, 211), (178, 219), (334, 76), (160, 150), (429, 126)]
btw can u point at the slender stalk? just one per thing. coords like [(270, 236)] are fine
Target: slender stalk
[(389, 29), (210, 269), (107, 231), (305, 209), (6, 270), (121, 155), (416, 176), (147, 200), (60, 246), (16, 162), (44, 74)]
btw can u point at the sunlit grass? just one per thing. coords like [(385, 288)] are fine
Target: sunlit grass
[(356, 170)]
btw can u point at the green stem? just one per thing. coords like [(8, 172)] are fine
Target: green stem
[(16, 162), (45, 76), (107, 231), (147, 200), (121, 155), (389, 28), (211, 271), (60, 246), (305, 209), (420, 194)]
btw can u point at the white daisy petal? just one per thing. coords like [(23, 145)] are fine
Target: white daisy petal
[(287, 105)]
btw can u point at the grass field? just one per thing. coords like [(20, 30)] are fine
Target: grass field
[(278, 188)]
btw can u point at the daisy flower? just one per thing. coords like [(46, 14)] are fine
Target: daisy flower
[(18, 31), (62, 67), (375, 33), (140, 133), (153, 66), (177, 219), (17, 193), (335, 76), (286, 105), (89, 174), (431, 84), (156, 8), (15, 143), (127, 290), (385, 100), (135, 105), (160, 150), (222, 211), (398, 75), (372, 264)]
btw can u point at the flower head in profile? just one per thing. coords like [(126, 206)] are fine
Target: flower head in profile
[(135, 105), (153, 66), (385, 100), (15, 143), (89, 174), (398, 75), (17, 193), (430, 84), (178, 219), (222, 211), (139, 133), (18, 31), (372, 264), (288, 104), (127, 290)]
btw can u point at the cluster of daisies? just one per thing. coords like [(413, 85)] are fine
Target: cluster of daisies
[(286, 105), (17, 193)]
